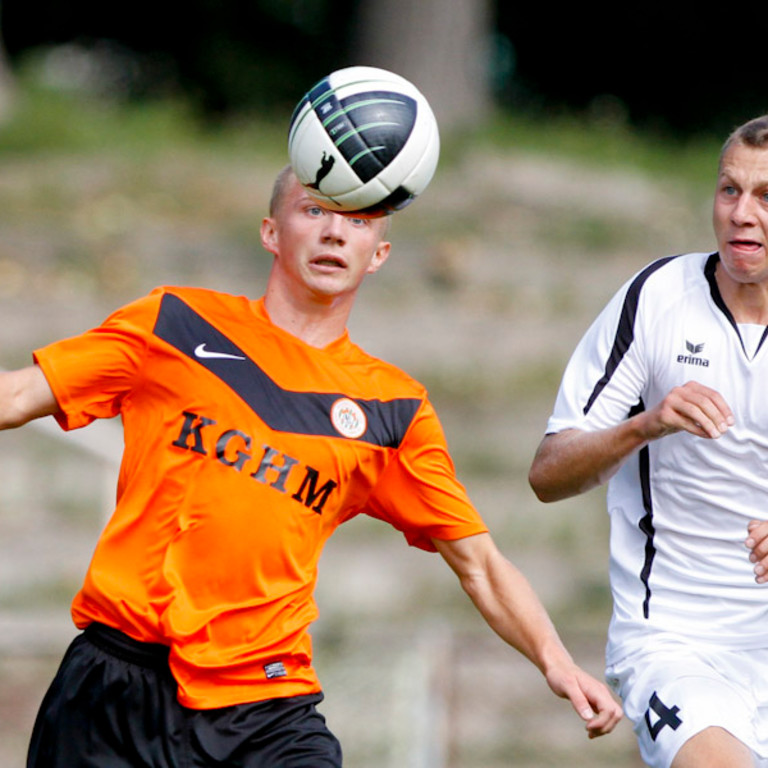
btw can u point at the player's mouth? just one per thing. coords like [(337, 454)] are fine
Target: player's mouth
[(328, 261), (744, 245)]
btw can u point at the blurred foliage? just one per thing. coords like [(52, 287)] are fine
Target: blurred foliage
[(48, 117), (57, 114), (605, 143), (221, 55), (226, 56)]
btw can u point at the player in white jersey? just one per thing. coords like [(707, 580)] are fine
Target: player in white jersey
[(664, 398)]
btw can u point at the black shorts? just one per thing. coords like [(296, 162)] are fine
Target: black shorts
[(113, 704)]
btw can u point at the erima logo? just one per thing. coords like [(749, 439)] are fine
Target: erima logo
[(691, 358), (207, 354)]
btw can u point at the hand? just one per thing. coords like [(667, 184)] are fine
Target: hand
[(590, 698), (757, 542), (691, 408)]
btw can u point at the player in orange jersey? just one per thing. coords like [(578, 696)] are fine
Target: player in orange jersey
[(252, 430)]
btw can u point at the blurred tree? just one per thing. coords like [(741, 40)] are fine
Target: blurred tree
[(262, 55), (669, 70), (440, 45), (7, 85), (223, 54)]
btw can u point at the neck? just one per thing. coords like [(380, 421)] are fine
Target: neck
[(317, 321), (747, 302)]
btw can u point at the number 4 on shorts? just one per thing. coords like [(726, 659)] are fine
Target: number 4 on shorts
[(667, 716)]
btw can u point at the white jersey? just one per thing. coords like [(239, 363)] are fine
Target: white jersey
[(679, 507)]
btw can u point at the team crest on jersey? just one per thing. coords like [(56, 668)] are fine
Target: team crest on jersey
[(348, 418)]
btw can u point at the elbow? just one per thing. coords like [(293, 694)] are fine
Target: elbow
[(541, 484), (550, 475)]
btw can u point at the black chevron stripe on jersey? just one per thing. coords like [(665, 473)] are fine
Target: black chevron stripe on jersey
[(625, 332), (304, 413)]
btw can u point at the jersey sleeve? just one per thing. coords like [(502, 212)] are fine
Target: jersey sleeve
[(607, 373), (419, 493), (90, 374)]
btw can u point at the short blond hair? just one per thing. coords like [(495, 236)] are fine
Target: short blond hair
[(753, 133), (285, 178), (279, 189)]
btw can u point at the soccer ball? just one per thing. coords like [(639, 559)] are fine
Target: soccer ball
[(364, 140)]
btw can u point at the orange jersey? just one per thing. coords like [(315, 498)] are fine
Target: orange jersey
[(245, 448)]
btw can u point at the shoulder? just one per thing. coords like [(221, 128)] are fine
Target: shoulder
[(202, 297), (198, 297), (645, 304), (664, 275), (661, 286), (383, 377), (667, 275), (175, 303)]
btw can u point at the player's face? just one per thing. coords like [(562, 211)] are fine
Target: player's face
[(317, 249), (740, 214)]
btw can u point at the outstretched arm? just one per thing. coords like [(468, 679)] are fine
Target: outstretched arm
[(24, 395), (510, 606), (573, 461)]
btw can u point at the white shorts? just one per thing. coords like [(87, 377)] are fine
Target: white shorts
[(673, 689)]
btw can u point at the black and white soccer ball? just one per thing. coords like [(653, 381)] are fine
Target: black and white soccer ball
[(364, 140)]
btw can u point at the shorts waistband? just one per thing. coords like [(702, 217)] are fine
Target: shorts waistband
[(120, 645)]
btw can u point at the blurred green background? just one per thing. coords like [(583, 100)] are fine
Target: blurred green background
[(138, 148)]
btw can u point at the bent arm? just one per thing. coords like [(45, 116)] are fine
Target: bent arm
[(24, 395), (508, 603), (573, 461)]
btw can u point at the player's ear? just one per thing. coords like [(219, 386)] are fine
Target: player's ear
[(380, 256), (269, 235)]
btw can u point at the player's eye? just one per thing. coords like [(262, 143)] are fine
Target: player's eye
[(315, 210)]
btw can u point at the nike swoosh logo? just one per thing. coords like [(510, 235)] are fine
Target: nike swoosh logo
[(206, 354)]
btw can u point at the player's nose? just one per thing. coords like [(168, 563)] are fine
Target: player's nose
[(744, 211), (334, 227)]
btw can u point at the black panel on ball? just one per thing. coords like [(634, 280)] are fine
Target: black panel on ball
[(368, 128), (395, 201), (383, 122)]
